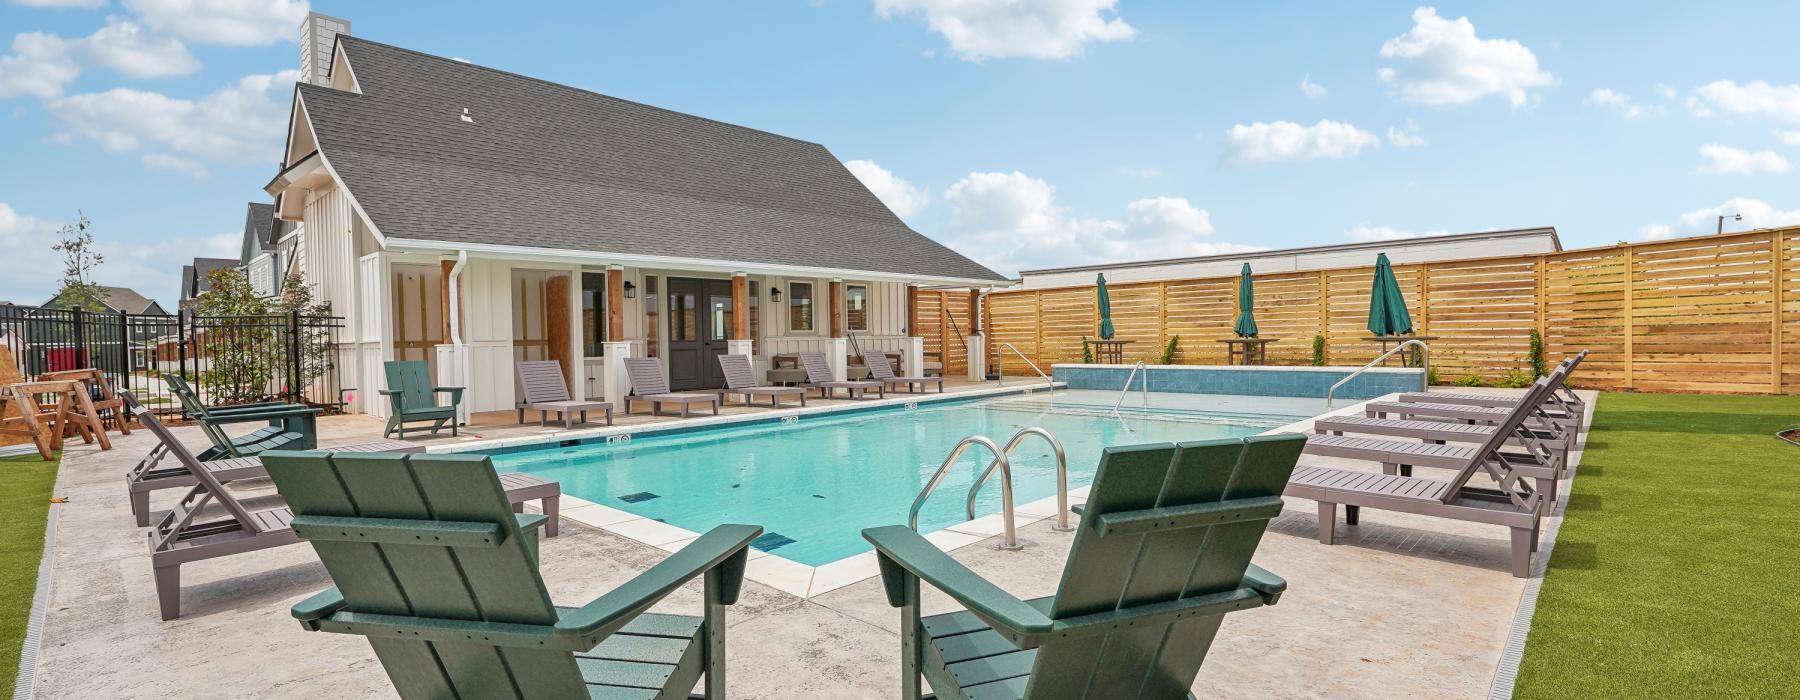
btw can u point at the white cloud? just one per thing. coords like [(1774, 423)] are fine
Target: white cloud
[(165, 161), (1752, 99), (225, 22), (1725, 160), (1267, 142), (1365, 233), (241, 123), (1012, 221), (983, 29), (1613, 99), (152, 267), (1405, 138), (1665, 91), (1442, 62), (1310, 88), (904, 198), (1788, 138), (1757, 214), (42, 65)]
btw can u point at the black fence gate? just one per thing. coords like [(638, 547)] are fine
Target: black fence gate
[(228, 359)]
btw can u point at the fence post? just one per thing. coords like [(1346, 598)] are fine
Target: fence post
[(81, 348), (124, 351), (293, 355), (181, 343)]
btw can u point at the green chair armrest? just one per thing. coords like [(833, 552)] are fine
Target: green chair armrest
[(293, 411), (531, 521), (261, 406), (1265, 583), (446, 388), (607, 613), (320, 606), (391, 392), (899, 548), (455, 393)]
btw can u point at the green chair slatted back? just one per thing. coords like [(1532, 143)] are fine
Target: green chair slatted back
[(1117, 568), (413, 379), (190, 402), (436, 559)]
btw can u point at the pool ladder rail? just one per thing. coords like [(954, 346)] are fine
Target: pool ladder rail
[(1003, 463), (1424, 364)]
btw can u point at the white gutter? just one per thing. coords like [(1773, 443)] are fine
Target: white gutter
[(462, 259)]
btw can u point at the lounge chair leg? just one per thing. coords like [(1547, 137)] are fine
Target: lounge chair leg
[(1327, 522), (552, 509), (168, 590), (140, 507), (1351, 514), (521, 415), (518, 507), (715, 408), (608, 416), (1389, 468), (1523, 542)]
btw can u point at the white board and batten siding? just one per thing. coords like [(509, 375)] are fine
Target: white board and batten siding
[(489, 334)]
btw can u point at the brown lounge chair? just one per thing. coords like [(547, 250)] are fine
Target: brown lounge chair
[(1557, 439), (818, 376), (1515, 503), (649, 385), (740, 380), (1465, 407), (881, 371), (546, 391), (183, 536), (149, 476), (1562, 402)]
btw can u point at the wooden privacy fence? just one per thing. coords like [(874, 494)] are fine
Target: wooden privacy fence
[(1705, 314), (942, 319)]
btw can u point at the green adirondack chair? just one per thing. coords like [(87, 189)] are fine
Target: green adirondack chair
[(413, 399), (431, 564), (1163, 552), (290, 426)]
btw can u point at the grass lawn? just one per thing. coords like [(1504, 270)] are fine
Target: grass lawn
[(25, 484), (1675, 572)]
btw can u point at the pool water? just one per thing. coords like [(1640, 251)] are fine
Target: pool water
[(816, 483)]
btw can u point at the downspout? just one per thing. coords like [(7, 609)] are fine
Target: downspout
[(456, 339)]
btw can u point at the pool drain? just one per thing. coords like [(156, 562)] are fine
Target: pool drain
[(638, 497)]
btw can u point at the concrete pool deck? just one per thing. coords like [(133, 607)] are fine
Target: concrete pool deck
[(1403, 606)]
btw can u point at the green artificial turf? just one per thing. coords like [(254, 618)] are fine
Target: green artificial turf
[(25, 484), (1677, 570)]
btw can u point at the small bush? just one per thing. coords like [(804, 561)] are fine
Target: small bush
[(1087, 352), (1536, 354), (1318, 351), (1516, 379), (1468, 380), (1431, 376), (1168, 353)]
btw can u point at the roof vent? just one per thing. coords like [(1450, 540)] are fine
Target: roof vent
[(466, 117)]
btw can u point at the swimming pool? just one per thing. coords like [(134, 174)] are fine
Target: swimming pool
[(815, 483)]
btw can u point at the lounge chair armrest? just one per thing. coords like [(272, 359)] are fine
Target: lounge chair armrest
[(1265, 583), (320, 606), (900, 549), (530, 521), (725, 546), (295, 411)]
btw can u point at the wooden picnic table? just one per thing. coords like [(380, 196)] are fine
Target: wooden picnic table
[(100, 392), (46, 422), (1108, 352)]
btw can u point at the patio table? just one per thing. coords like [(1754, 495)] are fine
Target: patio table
[(1251, 350), (1108, 352)]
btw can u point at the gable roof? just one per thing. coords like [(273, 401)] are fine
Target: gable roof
[(553, 167), (197, 277), (259, 229), (120, 299)]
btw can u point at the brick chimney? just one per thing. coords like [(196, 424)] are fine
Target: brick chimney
[(318, 33)]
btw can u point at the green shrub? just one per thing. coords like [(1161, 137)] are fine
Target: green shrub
[(1168, 353), (1536, 354), (1515, 379), (1087, 352), (1431, 376), (1318, 351), (1468, 380)]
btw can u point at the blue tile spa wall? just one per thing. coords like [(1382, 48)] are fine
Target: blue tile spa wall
[(1300, 382)]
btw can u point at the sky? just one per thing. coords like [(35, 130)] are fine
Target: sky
[(1025, 134)]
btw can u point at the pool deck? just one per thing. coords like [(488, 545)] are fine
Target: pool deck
[(1403, 606)]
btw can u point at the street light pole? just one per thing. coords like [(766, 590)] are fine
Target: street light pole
[(1723, 217)]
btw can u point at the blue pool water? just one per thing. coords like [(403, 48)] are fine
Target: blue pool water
[(814, 484)]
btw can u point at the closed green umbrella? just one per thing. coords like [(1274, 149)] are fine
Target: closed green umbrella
[(1387, 307), (1246, 320), (1105, 304)]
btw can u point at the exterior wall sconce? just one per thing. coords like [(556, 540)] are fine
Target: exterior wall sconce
[(630, 290), (775, 294)]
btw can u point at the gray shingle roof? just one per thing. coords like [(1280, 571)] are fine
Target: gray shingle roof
[(197, 277), (550, 166), (127, 300)]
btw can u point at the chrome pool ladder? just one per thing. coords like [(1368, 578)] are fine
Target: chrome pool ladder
[(1424, 363), (1062, 477), (1003, 463), (1126, 390)]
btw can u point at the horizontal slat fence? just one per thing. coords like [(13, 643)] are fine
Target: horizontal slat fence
[(1706, 314)]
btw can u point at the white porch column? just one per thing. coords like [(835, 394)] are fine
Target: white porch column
[(453, 370), (977, 357), (616, 383), (912, 356), (739, 347), (837, 357)]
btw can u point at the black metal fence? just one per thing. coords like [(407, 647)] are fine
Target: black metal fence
[(228, 359)]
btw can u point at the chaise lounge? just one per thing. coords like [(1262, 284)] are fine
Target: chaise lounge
[(546, 391), (649, 385), (881, 371), (818, 376), (740, 379)]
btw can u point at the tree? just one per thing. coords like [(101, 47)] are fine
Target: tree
[(76, 244), (247, 337)]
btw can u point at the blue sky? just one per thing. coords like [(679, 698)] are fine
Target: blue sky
[(1026, 134)]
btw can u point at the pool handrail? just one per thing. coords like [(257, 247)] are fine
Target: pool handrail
[(1011, 538), (1126, 390), (1062, 476), (1425, 364), (1000, 364)]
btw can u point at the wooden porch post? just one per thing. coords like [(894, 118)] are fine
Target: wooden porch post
[(559, 322), (615, 304), (912, 310), (740, 306), (837, 308)]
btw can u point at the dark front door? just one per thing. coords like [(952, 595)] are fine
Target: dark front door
[(699, 324)]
